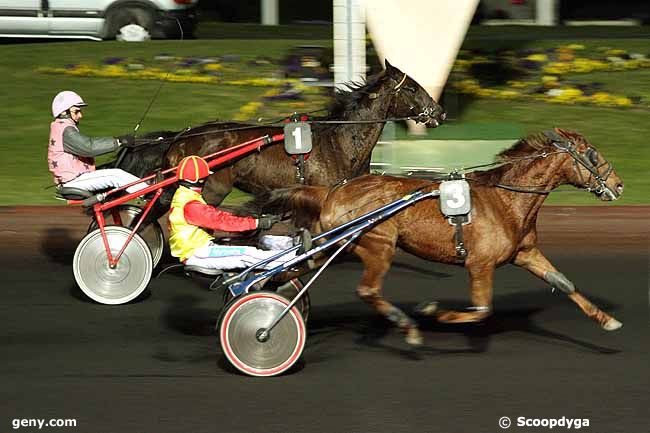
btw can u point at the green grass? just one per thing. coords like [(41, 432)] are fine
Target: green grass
[(116, 104)]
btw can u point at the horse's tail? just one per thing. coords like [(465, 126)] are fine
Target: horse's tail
[(304, 203)]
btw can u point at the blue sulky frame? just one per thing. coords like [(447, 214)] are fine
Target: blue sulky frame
[(346, 232)]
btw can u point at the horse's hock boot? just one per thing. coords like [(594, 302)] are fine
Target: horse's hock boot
[(304, 239)]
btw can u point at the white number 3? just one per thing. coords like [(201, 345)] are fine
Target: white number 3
[(457, 197)]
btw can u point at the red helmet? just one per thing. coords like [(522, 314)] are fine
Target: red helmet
[(192, 169)]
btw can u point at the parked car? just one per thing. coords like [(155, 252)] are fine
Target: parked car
[(96, 19)]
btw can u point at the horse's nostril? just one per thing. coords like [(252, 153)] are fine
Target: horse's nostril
[(619, 188), (443, 115)]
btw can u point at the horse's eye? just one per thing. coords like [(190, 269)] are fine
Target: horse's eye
[(592, 155)]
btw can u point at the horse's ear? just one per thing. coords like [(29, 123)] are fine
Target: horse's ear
[(565, 133), (392, 71)]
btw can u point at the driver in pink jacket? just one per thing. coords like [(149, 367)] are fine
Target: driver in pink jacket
[(70, 154)]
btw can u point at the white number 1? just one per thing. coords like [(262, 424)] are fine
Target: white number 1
[(297, 135)]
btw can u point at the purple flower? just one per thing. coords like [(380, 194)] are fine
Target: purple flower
[(530, 64), (113, 60), (189, 62)]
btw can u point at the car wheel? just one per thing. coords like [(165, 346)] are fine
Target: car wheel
[(118, 18)]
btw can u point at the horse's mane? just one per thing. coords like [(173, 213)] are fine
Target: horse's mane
[(349, 100), (144, 159), (527, 146), (523, 147)]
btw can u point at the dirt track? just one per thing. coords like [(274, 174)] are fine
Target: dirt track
[(587, 229), (156, 366)]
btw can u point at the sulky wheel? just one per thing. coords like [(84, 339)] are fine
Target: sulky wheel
[(289, 290), (108, 285), (242, 322), (152, 233)]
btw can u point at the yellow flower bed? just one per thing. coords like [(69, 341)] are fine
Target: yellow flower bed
[(184, 75), (248, 110), (537, 57), (213, 67), (565, 96), (261, 82), (116, 71), (575, 47), (577, 65)]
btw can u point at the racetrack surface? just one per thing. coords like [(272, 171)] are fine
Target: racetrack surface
[(155, 365)]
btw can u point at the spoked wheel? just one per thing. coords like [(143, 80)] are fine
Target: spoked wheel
[(151, 233), (241, 330), (289, 290), (107, 285)]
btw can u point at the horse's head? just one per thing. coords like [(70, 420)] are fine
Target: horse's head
[(586, 167), (410, 99)]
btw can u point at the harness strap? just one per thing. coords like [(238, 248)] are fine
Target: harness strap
[(300, 168), (461, 252), (400, 83)]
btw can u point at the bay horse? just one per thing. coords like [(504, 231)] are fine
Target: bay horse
[(505, 203), (340, 150)]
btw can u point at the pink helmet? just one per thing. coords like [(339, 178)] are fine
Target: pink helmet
[(64, 101)]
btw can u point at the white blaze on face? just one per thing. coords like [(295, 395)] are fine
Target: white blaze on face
[(420, 37)]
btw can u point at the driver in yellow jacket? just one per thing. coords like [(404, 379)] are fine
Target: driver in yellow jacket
[(190, 215)]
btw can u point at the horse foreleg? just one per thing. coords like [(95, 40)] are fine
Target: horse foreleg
[(482, 278), (534, 261), (377, 255)]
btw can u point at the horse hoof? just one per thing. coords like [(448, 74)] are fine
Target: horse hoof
[(427, 308), (413, 338), (612, 325)]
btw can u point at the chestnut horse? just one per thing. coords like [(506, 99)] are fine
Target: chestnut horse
[(505, 203)]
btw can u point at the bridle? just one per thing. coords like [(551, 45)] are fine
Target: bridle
[(596, 182), (427, 114), (588, 159)]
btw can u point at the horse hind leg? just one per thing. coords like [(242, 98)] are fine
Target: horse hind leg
[(377, 253), (534, 261), (482, 278)]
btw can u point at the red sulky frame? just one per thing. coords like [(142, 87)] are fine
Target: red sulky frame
[(213, 159)]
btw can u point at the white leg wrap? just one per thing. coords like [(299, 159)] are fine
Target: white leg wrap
[(559, 281)]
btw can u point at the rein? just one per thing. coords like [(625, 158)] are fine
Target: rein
[(155, 96), (563, 146), (424, 117), (183, 134), (530, 189)]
